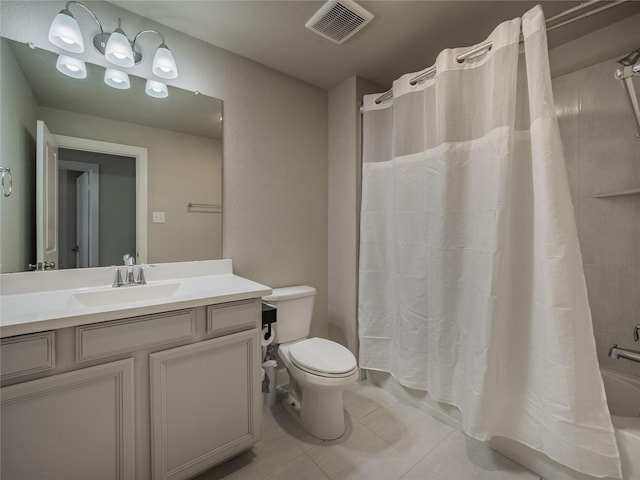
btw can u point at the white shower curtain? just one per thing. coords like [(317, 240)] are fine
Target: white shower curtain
[(471, 281)]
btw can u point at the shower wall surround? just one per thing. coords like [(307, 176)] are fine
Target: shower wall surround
[(603, 155)]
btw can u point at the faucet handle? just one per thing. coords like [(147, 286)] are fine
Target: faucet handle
[(140, 280), (117, 281)]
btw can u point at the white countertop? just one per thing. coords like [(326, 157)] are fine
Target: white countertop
[(34, 301)]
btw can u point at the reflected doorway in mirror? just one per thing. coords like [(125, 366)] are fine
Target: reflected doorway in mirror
[(78, 213)]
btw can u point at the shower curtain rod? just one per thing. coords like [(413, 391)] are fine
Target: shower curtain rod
[(430, 72)]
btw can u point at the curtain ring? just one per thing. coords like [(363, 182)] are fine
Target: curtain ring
[(6, 190)]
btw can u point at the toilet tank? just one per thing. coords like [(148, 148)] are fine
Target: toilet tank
[(295, 308)]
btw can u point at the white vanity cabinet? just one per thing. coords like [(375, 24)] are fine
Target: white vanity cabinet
[(75, 425), (203, 406), (160, 396)]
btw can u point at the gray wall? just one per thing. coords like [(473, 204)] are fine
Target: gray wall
[(603, 155), (275, 148), (344, 206), (18, 152)]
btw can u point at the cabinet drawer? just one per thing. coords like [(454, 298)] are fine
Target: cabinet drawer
[(27, 354), (232, 316), (130, 334)]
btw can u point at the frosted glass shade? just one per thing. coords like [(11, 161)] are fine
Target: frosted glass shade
[(116, 79), (164, 65), (118, 50), (72, 67), (156, 89), (65, 33)]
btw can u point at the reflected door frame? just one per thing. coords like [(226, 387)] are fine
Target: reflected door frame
[(93, 170), (140, 154)]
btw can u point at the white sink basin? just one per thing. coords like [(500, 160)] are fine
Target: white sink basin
[(137, 293)]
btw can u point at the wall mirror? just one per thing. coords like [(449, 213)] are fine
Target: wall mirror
[(153, 166)]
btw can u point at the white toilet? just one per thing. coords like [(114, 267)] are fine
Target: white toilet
[(318, 368)]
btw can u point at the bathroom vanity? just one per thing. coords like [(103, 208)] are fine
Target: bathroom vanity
[(153, 381)]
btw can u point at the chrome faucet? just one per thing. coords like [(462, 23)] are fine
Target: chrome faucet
[(129, 263), (617, 352)]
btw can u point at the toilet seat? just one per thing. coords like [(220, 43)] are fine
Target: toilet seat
[(322, 357)]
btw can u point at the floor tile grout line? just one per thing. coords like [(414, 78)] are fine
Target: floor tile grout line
[(374, 433), (266, 474), (361, 425), (429, 452), (370, 413), (319, 467)]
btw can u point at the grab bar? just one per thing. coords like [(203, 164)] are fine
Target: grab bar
[(616, 352)]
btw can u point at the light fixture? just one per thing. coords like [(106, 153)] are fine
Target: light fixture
[(156, 89), (116, 79), (164, 66), (115, 46), (72, 67), (118, 49), (65, 32)]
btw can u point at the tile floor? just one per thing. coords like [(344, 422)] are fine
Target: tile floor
[(385, 440)]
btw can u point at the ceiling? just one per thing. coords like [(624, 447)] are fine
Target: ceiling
[(404, 36)]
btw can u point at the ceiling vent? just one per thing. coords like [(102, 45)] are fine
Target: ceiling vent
[(339, 20)]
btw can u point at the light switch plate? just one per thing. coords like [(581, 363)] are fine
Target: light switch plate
[(158, 217)]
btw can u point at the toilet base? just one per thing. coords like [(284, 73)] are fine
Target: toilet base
[(320, 413)]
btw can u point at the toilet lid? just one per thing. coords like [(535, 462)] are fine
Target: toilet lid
[(321, 355)]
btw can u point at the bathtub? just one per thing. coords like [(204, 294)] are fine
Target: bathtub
[(623, 395)]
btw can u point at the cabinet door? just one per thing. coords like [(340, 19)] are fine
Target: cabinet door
[(205, 404), (76, 425)]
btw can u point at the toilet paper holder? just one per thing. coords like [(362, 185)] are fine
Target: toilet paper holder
[(269, 316)]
